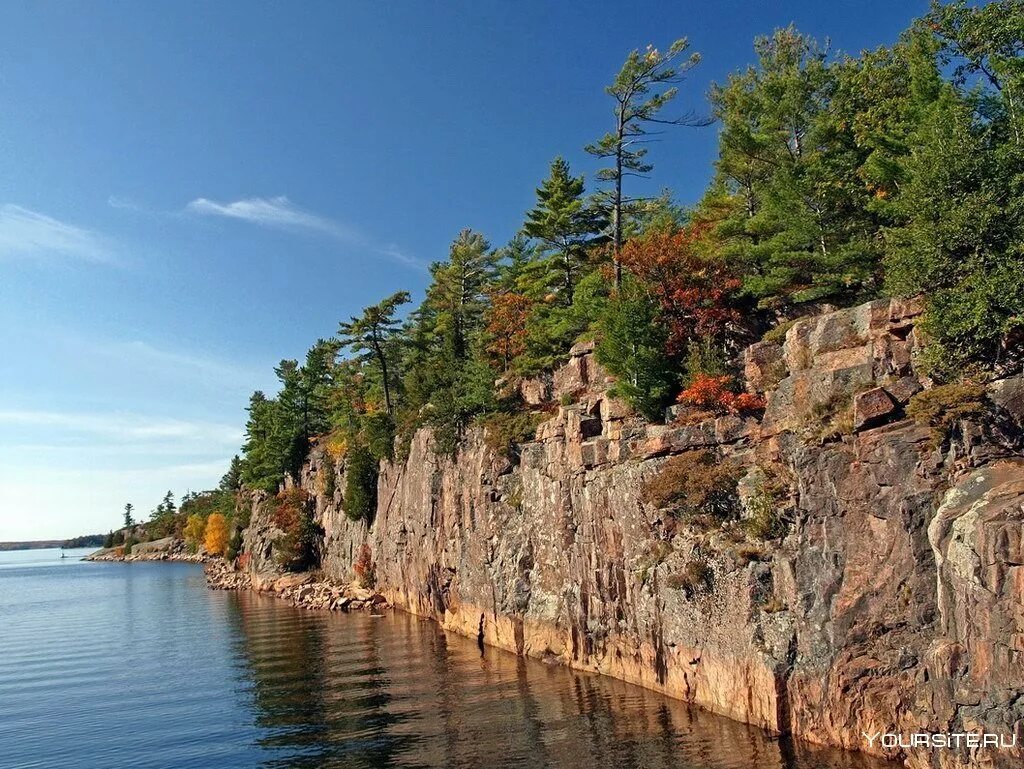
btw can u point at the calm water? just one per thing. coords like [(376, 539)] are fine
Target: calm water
[(139, 665)]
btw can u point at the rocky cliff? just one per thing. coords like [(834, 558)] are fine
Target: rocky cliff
[(889, 597)]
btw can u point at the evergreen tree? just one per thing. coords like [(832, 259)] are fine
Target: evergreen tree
[(775, 158), (360, 500), (300, 412), (961, 244), (231, 481), (522, 269), (644, 85), (369, 336), (263, 465), (985, 44), (458, 294), (128, 520), (631, 345), (811, 154), (565, 225), (447, 343)]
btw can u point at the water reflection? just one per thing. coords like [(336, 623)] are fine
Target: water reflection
[(332, 690)]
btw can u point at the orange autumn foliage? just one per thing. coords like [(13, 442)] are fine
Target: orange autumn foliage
[(216, 540), (506, 326), (696, 294), (714, 392)]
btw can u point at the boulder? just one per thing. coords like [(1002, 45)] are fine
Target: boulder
[(872, 408)]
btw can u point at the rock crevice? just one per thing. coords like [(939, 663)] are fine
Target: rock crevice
[(892, 603)]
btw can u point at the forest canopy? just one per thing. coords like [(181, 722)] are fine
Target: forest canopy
[(839, 179)]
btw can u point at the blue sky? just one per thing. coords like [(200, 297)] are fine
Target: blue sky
[(190, 192)]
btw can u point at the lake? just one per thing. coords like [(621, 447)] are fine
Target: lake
[(108, 666)]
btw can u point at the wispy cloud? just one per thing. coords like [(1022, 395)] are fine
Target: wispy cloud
[(223, 373), (28, 233), (270, 212), (281, 213), (122, 427), (124, 204)]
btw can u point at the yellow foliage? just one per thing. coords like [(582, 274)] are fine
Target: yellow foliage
[(195, 528), (216, 534), (336, 445)]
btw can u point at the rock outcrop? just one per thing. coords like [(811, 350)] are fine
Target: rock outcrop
[(305, 590), (892, 601), (166, 549)]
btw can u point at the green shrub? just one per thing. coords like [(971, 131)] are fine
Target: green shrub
[(631, 346), (696, 484), (360, 484), (505, 431), (763, 520), (942, 407), (234, 544), (777, 334), (653, 557), (379, 435), (694, 578), (299, 548)]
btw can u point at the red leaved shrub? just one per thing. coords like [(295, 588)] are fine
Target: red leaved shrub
[(364, 568), (715, 392)]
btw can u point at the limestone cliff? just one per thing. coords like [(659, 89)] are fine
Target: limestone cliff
[(893, 602)]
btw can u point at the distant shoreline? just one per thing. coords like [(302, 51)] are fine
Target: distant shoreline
[(44, 544)]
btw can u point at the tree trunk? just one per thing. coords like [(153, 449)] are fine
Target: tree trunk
[(383, 372), (617, 201)]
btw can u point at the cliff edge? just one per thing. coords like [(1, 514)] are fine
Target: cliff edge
[(874, 581)]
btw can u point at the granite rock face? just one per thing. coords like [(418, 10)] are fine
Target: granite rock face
[(894, 602)]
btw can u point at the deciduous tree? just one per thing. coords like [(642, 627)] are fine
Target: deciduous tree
[(696, 294), (195, 530), (216, 537)]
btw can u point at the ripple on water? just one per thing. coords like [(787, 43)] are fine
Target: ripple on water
[(139, 665)]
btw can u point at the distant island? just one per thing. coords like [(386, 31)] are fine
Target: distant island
[(86, 540)]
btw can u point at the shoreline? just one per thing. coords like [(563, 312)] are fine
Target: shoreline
[(112, 555), (301, 589), (309, 590)]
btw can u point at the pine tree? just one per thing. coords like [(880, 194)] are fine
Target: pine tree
[(804, 170), (644, 85), (446, 352), (565, 225), (263, 465), (631, 345), (458, 293), (369, 335), (961, 241), (231, 481)]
